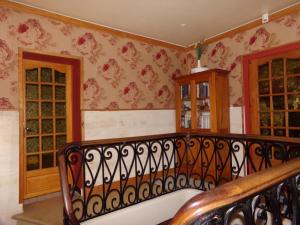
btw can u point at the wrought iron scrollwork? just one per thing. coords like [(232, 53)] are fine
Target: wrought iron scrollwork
[(105, 177)]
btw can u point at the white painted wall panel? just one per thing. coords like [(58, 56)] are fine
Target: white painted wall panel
[(9, 166)]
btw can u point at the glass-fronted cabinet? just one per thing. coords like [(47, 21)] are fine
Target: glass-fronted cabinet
[(202, 101)]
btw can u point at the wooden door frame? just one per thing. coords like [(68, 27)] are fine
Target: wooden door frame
[(76, 64), (247, 59)]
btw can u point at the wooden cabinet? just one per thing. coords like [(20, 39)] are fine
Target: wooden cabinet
[(202, 102)]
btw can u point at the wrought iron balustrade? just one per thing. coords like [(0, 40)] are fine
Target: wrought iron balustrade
[(267, 197), (99, 177)]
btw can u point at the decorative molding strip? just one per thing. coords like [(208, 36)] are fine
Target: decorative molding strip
[(6, 3), (88, 25), (274, 16)]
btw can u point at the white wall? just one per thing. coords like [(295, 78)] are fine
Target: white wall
[(114, 124), (9, 166)]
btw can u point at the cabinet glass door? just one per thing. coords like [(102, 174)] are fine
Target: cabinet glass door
[(203, 105), (185, 112)]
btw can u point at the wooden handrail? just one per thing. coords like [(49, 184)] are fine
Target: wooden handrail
[(211, 134), (68, 207), (234, 191)]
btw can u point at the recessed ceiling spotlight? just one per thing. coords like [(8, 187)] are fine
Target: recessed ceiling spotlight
[(183, 25)]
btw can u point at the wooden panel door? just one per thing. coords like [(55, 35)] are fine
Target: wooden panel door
[(275, 96), (46, 124)]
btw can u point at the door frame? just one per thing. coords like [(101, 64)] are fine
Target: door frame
[(76, 64), (247, 59)]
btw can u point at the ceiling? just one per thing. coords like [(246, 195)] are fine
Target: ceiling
[(181, 22)]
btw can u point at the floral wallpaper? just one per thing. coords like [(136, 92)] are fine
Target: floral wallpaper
[(122, 73), (119, 73), (227, 53)]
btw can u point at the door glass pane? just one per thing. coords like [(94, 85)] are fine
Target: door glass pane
[(277, 86), (32, 75), (32, 162), (60, 77), (264, 87), (265, 132), (60, 125), (61, 140), (293, 84), (264, 103), (47, 143), (47, 160), (46, 92), (32, 144), (60, 93), (47, 126), (278, 102), (279, 132), (279, 119), (294, 133), (46, 75), (60, 109), (294, 120), (293, 66), (32, 127), (47, 108), (277, 67), (263, 71), (294, 101), (265, 119), (32, 91), (32, 109)]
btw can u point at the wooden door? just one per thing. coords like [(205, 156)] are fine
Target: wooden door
[(46, 124), (275, 96)]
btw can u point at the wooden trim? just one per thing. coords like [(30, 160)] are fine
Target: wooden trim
[(183, 135), (21, 126), (88, 25), (108, 110), (28, 9), (274, 16), (246, 73), (234, 191)]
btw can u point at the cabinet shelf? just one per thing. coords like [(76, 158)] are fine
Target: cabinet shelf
[(202, 102)]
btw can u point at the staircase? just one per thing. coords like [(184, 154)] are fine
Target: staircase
[(41, 212)]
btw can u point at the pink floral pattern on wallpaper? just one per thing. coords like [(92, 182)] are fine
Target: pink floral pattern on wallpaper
[(93, 93), (88, 46), (113, 106), (111, 72), (162, 60), (65, 29), (5, 103), (4, 13), (7, 60), (220, 54), (261, 39), (148, 77), (148, 47), (189, 61), (164, 96), (112, 39), (124, 73), (30, 33), (129, 53), (288, 21), (131, 94), (175, 74)]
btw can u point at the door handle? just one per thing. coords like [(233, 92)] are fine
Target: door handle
[(28, 129)]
